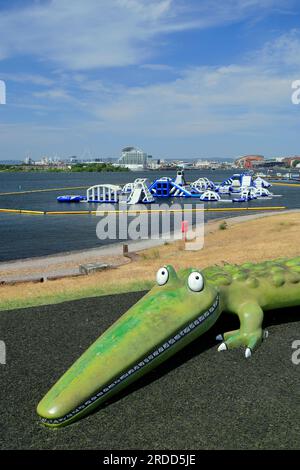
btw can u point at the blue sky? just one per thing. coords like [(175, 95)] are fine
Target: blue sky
[(178, 78)]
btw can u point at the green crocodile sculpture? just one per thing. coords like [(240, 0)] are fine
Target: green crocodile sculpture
[(179, 309)]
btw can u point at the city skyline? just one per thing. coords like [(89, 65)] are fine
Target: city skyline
[(179, 79)]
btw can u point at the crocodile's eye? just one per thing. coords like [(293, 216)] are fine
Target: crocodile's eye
[(162, 276), (196, 282)]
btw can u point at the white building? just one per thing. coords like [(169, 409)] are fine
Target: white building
[(203, 164), (43, 161), (153, 164), (133, 158), (29, 161)]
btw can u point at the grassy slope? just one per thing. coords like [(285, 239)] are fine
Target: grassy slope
[(255, 240), (49, 297)]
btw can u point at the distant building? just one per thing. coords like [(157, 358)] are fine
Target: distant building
[(249, 161), (292, 161), (153, 164), (133, 158), (184, 165), (272, 163), (94, 161), (43, 161), (203, 164)]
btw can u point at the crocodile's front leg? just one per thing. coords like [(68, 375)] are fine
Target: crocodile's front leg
[(250, 333)]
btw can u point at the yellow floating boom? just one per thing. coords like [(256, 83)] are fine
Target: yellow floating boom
[(47, 190), (292, 185), (21, 211), (145, 211)]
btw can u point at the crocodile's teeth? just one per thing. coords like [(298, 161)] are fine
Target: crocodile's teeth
[(219, 338), (248, 353), (222, 347)]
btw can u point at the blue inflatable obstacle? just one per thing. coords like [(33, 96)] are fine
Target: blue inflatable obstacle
[(234, 184), (210, 196), (168, 187), (71, 198), (246, 195)]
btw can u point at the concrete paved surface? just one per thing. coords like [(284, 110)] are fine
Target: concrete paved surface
[(199, 399)]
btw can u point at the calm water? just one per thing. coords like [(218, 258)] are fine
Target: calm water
[(24, 236)]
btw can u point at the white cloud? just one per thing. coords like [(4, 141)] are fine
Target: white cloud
[(251, 97), (158, 67), (204, 100), (34, 79), (248, 97), (284, 52), (105, 33), (93, 33), (53, 93)]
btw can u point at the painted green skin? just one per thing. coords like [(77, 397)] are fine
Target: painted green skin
[(165, 320)]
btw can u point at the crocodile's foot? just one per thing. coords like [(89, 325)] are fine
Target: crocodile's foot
[(236, 338)]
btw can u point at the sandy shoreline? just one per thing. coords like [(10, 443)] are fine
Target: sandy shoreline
[(67, 263)]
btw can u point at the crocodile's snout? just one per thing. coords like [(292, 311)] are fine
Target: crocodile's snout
[(170, 316)]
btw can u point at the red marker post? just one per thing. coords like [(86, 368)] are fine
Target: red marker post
[(184, 229)]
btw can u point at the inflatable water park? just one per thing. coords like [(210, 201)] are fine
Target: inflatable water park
[(241, 187)]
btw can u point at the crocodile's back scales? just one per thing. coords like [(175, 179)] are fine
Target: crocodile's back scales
[(277, 271), (273, 284)]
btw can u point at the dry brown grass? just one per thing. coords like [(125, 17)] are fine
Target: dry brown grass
[(254, 240)]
